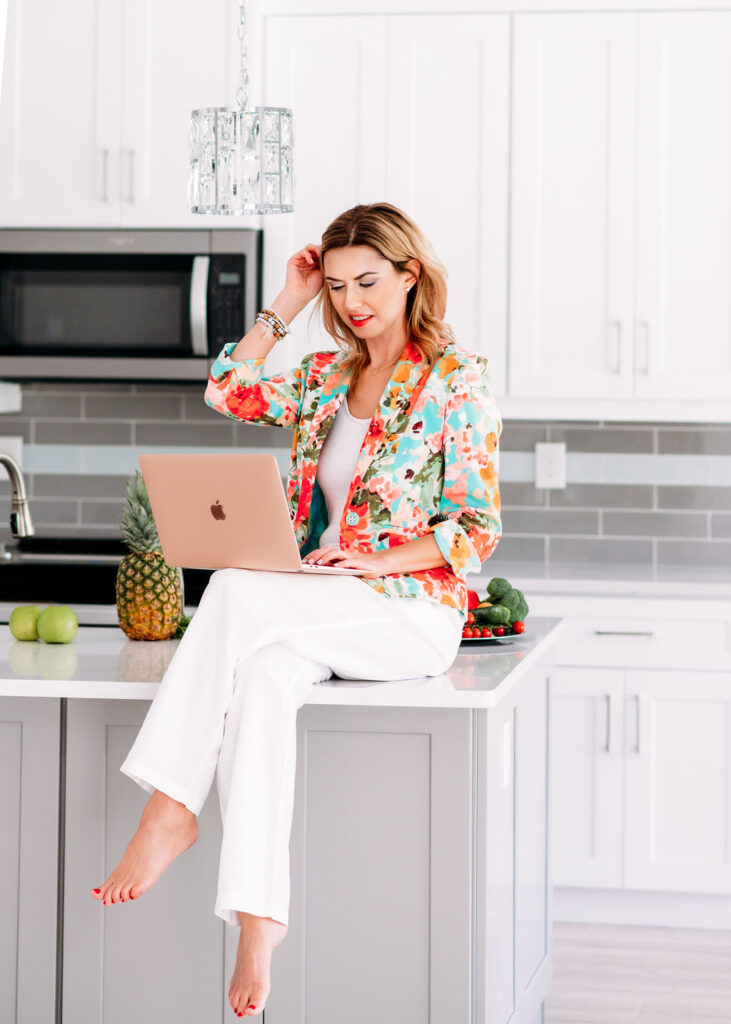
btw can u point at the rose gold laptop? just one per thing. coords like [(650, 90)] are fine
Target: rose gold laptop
[(224, 510)]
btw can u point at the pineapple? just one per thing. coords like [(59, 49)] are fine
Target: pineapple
[(149, 594)]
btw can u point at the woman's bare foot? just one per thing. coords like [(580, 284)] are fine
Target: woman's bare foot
[(251, 982), (166, 829)]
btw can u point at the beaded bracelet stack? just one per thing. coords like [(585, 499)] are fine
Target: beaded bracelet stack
[(274, 321)]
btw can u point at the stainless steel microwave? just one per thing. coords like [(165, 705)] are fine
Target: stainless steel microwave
[(124, 305)]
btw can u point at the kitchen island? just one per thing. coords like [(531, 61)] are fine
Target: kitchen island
[(419, 849)]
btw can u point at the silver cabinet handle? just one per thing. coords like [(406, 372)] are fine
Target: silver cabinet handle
[(131, 171), (199, 305), (623, 632), (105, 175)]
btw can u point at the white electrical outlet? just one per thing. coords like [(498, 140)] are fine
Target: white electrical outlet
[(551, 464), (12, 446)]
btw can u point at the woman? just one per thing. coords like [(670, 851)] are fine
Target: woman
[(393, 473)]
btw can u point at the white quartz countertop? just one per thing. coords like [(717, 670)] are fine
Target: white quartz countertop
[(102, 662)]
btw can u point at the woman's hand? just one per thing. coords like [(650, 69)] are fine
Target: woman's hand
[(304, 274), (374, 563)]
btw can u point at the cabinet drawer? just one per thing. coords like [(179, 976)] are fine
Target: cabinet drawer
[(601, 640)]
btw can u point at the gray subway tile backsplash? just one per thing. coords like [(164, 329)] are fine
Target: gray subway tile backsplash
[(601, 496), (513, 548), (521, 437), (48, 513), (655, 524), (101, 512), (82, 432), (194, 434), (516, 493), (702, 497), (16, 426), (695, 441), (549, 521), (133, 407), (246, 435), (194, 408), (715, 554), (53, 406), (608, 525), (720, 525), (605, 439), (585, 551), (81, 485)]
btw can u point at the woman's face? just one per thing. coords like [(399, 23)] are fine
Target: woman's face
[(367, 291)]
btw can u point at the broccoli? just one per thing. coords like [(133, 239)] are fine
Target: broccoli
[(513, 599), (497, 587)]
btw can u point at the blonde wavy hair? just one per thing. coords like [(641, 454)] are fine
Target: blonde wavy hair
[(396, 238)]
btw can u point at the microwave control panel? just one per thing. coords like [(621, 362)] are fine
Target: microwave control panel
[(226, 281)]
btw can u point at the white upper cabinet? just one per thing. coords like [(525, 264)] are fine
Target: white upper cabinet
[(683, 318), (448, 161), (60, 114), (410, 111), (95, 106), (178, 56), (572, 216), (620, 214)]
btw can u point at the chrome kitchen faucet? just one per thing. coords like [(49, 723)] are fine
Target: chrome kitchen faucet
[(21, 524)]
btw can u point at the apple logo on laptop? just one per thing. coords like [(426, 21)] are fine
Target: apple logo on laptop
[(217, 510)]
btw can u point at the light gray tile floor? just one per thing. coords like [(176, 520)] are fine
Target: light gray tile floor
[(608, 974)]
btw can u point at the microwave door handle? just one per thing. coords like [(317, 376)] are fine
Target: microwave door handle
[(199, 305)]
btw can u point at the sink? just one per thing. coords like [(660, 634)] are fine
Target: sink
[(73, 570)]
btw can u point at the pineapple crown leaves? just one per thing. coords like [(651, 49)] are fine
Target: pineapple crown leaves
[(137, 523)]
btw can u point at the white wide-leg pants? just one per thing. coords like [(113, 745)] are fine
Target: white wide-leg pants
[(227, 705)]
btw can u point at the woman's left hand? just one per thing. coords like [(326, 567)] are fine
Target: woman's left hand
[(373, 563)]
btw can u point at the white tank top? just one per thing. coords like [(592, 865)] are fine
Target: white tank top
[(335, 467)]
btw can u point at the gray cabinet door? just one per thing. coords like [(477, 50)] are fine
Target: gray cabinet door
[(29, 788), (160, 958), (381, 869), (513, 955), (533, 893), (494, 837)]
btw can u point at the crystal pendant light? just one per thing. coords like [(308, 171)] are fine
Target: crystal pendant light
[(241, 157)]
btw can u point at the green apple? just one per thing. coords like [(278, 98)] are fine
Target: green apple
[(57, 624), (23, 659), (56, 662), (24, 621)]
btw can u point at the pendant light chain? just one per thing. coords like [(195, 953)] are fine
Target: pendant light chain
[(241, 158), (242, 93)]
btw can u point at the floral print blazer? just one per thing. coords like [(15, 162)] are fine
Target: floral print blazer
[(429, 468)]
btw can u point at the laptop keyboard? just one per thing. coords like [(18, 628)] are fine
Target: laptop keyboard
[(329, 570)]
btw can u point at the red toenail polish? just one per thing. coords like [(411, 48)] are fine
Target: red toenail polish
[(251, 1007), (97, 890)]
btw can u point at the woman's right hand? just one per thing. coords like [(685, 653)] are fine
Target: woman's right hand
[(304, 274)]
